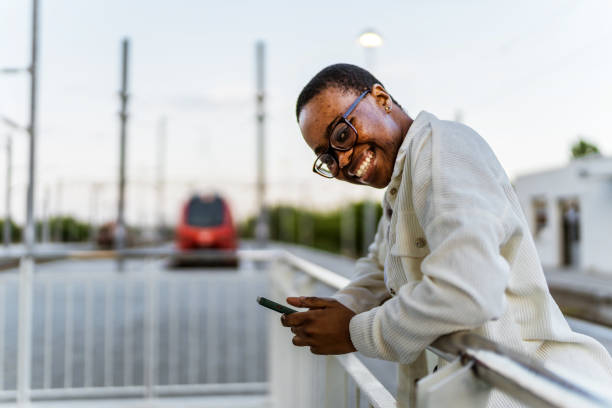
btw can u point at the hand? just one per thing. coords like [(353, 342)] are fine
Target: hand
[(324, 328)]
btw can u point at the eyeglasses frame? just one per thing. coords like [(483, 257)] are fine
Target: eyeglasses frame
[(344, 119)]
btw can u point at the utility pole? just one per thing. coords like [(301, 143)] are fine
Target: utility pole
[(30, 232), (7, 218), (93, 214), (262, 228), (120, 230), (58, 224), (24, 352), (45, 235), (161, 170)]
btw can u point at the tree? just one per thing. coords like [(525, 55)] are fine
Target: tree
[(583, 148)]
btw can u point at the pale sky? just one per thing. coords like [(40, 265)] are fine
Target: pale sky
[(529, 76)]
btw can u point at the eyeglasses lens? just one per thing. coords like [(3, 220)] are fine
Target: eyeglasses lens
[(343, 137), (326, 165)]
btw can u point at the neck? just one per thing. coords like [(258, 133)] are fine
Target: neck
[(404, 122)]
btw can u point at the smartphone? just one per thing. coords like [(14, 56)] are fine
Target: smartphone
[(274, 306)]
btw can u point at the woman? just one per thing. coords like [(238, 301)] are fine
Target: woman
[(453, 250)]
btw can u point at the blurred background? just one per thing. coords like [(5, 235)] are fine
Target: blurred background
[(171, 126)]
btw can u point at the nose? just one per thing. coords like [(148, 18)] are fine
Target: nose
[(344, 158)]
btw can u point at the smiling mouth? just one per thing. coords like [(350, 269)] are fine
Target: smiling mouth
[(364, 165)]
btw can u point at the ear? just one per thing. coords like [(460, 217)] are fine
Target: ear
[(383, 99)]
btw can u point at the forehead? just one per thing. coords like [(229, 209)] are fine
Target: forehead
[(320, 111)]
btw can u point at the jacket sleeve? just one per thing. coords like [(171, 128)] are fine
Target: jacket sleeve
[(367, 288), (459, 201)]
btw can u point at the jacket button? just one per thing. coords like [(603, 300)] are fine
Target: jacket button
[(420, 242), (393, 191), (392, 292)]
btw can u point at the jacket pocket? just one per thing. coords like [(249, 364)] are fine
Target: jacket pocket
[(409, 238)]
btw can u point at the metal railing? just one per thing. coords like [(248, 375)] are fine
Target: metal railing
[(150, 334), (95, 333), (476, 367)]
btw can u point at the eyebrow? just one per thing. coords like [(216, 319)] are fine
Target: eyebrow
[(330, 127)]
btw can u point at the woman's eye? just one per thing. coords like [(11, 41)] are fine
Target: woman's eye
[(341, 135)]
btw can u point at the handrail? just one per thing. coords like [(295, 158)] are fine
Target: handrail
[(516, 374)]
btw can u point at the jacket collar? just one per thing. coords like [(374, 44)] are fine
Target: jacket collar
[(422, 120)]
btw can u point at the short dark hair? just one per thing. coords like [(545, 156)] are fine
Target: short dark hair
[(346, 77)]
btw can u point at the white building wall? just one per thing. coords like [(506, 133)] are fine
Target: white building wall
[(597, 229), (588, 181)]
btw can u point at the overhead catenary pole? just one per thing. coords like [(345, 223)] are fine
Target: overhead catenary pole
[(58, 224), (7, 237), (24, 352), (45, 236), (30, 233), (120, 231), (261, 229), (93, 210), (161, 170)]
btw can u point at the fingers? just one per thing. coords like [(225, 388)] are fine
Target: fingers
[(300, 341), (301, 331), (296, 319), (311, 302)]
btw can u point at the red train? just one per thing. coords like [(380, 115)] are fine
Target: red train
[(206, 222)]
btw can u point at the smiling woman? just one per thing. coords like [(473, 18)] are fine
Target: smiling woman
[(359, 145), (453, 249)]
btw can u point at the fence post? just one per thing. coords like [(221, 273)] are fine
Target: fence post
[(150, 345), (24, 351), (407, 376), (336, 384)]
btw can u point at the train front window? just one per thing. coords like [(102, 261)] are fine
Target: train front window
[(203, 213)]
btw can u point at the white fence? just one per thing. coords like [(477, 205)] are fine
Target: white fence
[(96, 333), (476, 366), (149, 334)]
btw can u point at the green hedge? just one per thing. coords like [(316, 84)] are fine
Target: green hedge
[(318, 229)]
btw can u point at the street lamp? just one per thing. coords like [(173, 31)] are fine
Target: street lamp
[(370, 39)]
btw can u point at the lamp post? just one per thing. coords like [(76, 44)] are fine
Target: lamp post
[(369, 40)]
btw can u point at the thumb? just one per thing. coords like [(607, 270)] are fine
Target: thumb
[(311, 302)]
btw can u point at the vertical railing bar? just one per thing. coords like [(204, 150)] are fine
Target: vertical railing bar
[(193, 334), (108, 335), (88, 363), (346, 388), (231, 350), (252, 344), (68, 336), (211, 335), (48, 339), (297, 383), (24, 331), (128, 357), (172, 335), (2, 333), (150, 349)]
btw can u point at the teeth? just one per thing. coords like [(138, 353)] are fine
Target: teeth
[(363, 167)]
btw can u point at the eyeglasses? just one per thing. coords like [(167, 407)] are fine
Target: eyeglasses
[(342, 138)]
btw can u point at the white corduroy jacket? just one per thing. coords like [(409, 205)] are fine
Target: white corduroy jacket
[(453, 251)]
